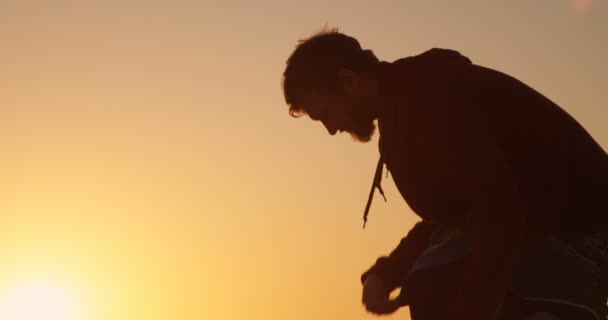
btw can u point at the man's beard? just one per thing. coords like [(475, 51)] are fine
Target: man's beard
[(364, 130), (363, 126)]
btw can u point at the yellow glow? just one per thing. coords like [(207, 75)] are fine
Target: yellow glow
[(38, 300), (149, 168)]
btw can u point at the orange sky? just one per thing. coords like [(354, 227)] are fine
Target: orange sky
[(149, 164)]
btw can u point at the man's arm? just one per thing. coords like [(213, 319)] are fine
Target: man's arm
[(394, 267)]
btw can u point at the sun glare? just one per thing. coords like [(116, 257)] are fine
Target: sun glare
[(38, 301)]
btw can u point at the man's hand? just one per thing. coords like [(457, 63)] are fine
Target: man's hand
[(376, 296)]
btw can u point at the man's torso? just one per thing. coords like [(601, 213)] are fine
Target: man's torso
[(562, 173)]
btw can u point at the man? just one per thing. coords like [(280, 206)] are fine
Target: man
[(469, 148)]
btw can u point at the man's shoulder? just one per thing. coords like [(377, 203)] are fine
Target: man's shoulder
[(429, 65), (434, 55)]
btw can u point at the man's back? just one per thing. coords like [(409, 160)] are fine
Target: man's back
[(562, 173)]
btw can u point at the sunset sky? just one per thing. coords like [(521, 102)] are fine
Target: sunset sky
[(149, 168)]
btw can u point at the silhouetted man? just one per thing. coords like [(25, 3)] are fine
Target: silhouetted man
[(470, 149)]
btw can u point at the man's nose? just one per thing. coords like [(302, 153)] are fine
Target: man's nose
[(332, 130)]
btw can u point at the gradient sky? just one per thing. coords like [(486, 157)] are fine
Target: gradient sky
[(149, 165)]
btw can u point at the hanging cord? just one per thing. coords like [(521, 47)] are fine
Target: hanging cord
[(375, 184)]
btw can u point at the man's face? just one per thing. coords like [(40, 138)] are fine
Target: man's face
[(340, 112)]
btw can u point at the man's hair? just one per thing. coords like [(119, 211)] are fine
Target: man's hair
[(313, 65)]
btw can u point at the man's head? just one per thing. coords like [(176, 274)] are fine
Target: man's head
[(331, 79)]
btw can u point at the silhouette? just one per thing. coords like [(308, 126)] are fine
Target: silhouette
[(512, 191)]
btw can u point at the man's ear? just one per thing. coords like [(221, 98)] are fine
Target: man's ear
[(348, 80)]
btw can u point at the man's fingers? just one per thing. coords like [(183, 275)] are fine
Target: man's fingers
[(385, 307), (379, 303), (375, 297), (371, 296)]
